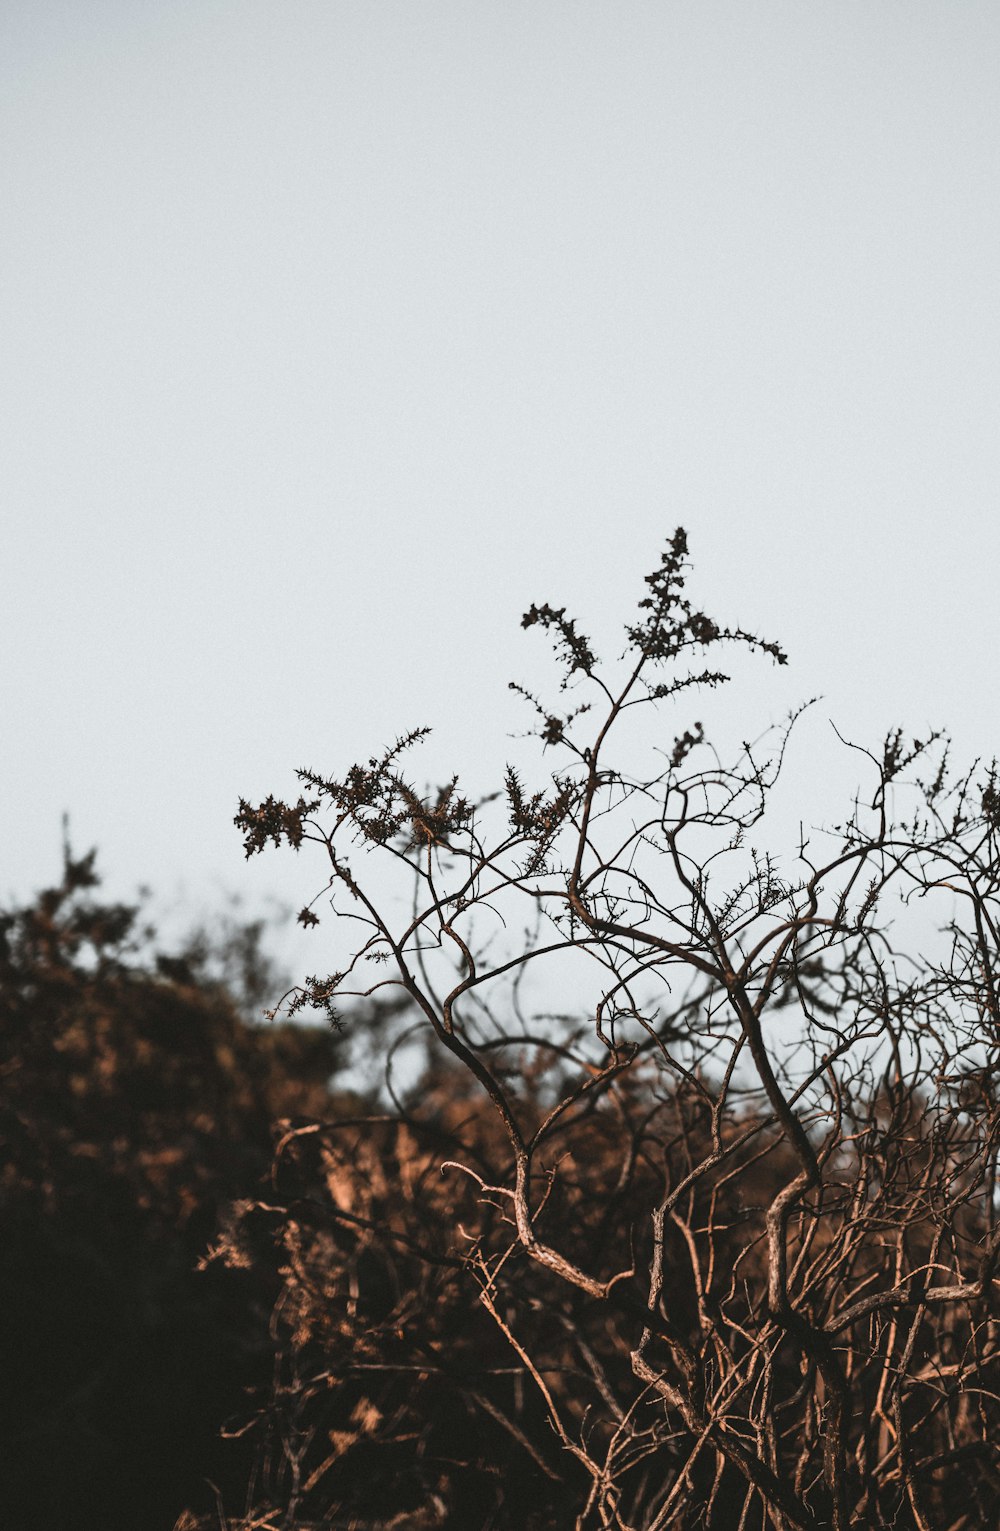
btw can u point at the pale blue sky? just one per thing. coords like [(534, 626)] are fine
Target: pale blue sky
[(333, 335)]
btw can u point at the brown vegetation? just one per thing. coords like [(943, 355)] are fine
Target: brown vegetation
[(717, 1248), (686, 1219), (135, 1105)]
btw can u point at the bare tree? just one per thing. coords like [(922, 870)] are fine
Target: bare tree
[(733, 1219)]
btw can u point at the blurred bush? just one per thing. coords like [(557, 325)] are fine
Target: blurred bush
[(136, 1105)]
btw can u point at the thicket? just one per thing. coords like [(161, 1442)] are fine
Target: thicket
[(681, 1213), (716, 1247), (136, 1107)]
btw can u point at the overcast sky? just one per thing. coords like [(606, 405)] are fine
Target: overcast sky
[(335, 334)]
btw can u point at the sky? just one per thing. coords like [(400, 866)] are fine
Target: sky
[(333, 335)]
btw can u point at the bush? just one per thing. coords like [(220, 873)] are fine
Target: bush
[(719, 1246), (137, 1105)]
